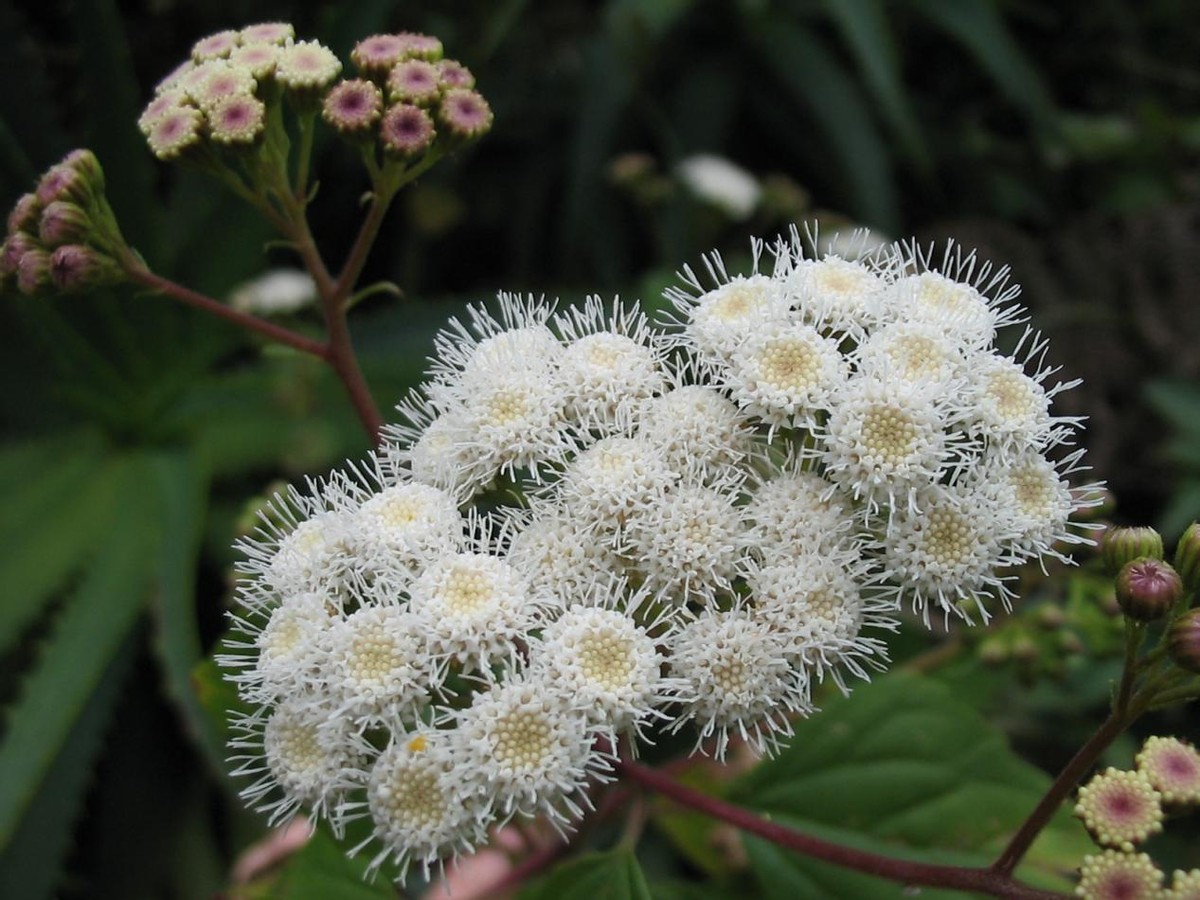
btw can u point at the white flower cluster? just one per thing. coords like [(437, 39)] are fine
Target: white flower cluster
[(591, 529)]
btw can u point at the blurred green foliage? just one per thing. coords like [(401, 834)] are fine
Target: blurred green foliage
[(135, 432)]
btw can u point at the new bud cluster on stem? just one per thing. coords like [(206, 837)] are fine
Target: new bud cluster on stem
[(62, 237), (591, 528)]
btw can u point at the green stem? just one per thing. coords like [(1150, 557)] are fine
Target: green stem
[(304, 156), (984, 881)]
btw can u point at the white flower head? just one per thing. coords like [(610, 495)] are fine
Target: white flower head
[(715, 320), (698, 430), (422, 808), (919, 353), (291, 647), (610, 367), (1033, 496), (794, 511), (301, 750), (845, 297), (612, 479), (606, 659), (529, 750), (948, 551), (815, 603), (736, 681), (886, 440), (1010, 403), (380, 668), (306, 66), (560, 555), (435, 447), (786, 376), (722, 183), (276, 292), (968, 299), (687, 542), (304, 544), (516, 333), (473, 608), (403, 527)]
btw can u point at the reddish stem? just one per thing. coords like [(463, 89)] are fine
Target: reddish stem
[(141, 275), (983, 881), (1070, 776)]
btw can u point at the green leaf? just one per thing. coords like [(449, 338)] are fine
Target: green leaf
[(816, 79), (978, 26), (1178, 402), (786, 876), (322, 871), (90, 629), (597, 876), (54, 517), (182, 485), (864, 27), (905, 763), (31, 864)]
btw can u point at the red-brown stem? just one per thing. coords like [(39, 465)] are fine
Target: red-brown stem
[(357, 256), (340, 350), (1070, 776), (983, 881), (143, 276)]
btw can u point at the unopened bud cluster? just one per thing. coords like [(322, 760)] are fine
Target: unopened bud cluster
[(1122, 809), (62, 236), (591, 528), (228, 95)]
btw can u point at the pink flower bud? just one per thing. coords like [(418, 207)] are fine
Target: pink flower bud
[(33, 272), (353, 106), (74, 267), (414, 81), (1183, 641), (1147, 588), (375, 56), (16, 245), (455, 74), (406, 130), (465, 114), (63, 222), (25, 213)]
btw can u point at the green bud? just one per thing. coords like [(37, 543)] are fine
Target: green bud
[(1187, 557), (1183, 641), (1123, 545), (1147, 589)]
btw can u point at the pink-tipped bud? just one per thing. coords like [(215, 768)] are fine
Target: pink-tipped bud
[(237, 121), (267, 33), (421, 46), (353, 107), (215, 46), (375, 55), (465, 114), (406, 130), (414, 81), (63, 222), (61, 183), (74, 267), (16, 245), (84, 162), (455, 74), (25, 214), (1147, 588), (306, 67), (1187, 557), (33, 272), (1183, 641), (1123, 545)]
